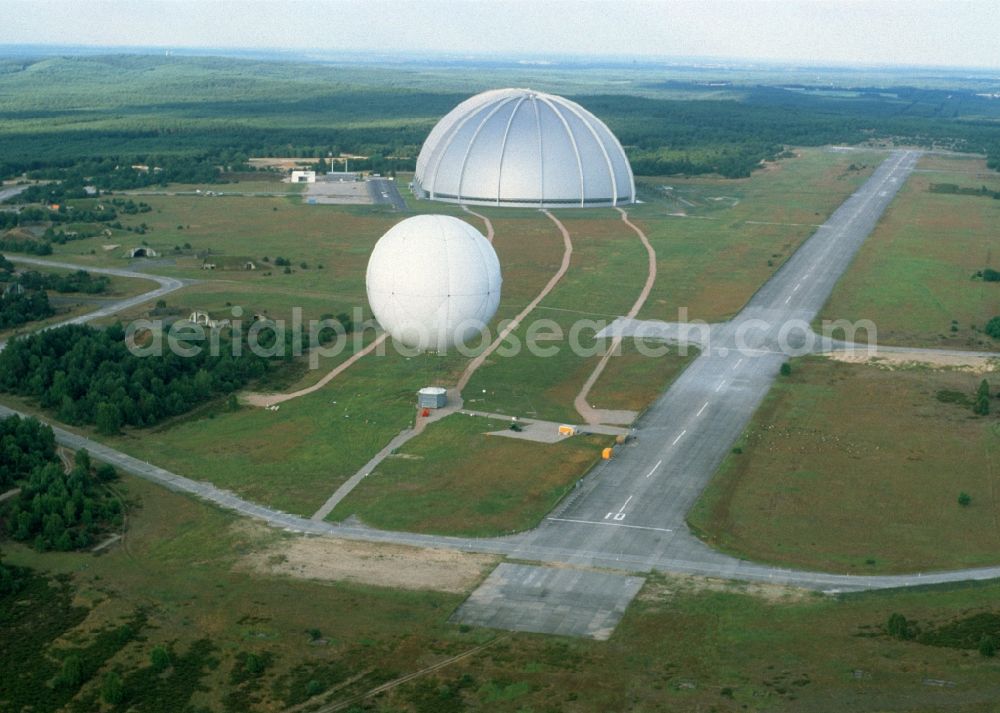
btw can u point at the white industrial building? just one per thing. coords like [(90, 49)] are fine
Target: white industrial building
[(517, 147), (303, 177), (432, 397)]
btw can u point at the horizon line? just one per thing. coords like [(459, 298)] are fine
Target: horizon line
[(470, 55)]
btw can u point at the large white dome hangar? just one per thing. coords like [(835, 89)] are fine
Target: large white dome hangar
[(433, 282), (518, 147)]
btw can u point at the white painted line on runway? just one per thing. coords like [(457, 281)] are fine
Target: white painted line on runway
[(655, 468), (620, 515), (796, 288), (611, 524), (721, 384), (701, 409), (788, 299), (738, 362), (679, 436)]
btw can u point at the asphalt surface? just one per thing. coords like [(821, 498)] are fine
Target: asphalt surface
[(166, 286), (550, 600), (628, 513), (382, 190)]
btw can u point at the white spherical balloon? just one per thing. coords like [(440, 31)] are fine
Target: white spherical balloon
[(433, 282)]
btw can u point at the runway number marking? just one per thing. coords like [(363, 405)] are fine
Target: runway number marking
[(620, 515), (655, 468), (679, 435), (702, 409)]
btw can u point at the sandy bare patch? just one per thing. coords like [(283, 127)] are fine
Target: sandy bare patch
[(383, 565), (672, 584), (974, 363)]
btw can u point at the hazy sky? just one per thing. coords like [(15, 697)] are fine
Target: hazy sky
[(939, 32)]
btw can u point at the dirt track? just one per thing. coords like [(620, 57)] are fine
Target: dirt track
[(563, 267), (263, 400), (581, 403)]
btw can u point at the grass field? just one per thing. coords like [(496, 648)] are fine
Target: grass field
[(857, 468), (632, 380), (606, 267), (717, 241), (454, 479), (913, 276), (296, 457), (181, 565)]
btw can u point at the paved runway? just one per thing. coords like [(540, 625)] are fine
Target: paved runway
[(635, 505), (383, 190), (550, 600)]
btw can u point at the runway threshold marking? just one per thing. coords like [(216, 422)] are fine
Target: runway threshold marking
[(702, 409), (679, 436), (609, 524), (620, 515), (655, 468)]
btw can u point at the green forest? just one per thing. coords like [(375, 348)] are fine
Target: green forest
[(59, 507), (24, 297), (89, 376), (195, 117)]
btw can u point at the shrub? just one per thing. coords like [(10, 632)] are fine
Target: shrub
[(899, 628), (159, 658), (993, 327), (981, 406), (112, 690)]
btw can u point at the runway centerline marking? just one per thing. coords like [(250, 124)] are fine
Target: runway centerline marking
[(721, 384), (609, 524), (738, 362), (702, 409), (679, 435), (788, 299), (655, 468), (796, 289)]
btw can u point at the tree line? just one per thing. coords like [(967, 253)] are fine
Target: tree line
[(24, 298), (78, 281), (55, 510), (89, 376), (63, 511), (193, 137)]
